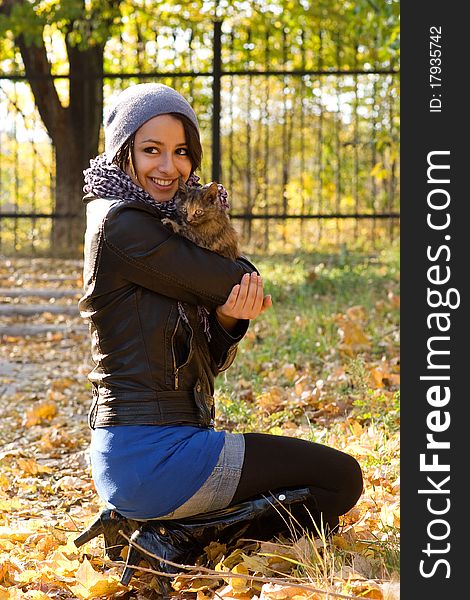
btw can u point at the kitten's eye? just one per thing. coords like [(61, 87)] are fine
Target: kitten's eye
[(184, 209), (198, 212)]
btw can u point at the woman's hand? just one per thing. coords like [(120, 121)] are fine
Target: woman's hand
[(245, 301)]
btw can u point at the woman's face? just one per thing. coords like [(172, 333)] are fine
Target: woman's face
[(160, 157)]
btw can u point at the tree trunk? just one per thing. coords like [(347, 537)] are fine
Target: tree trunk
[(75, 143), (74, 131), (69, 225)]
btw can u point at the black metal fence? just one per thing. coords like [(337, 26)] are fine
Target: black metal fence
[(308, 154)]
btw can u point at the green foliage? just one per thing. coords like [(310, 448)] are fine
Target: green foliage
[(82, 23), (311, 31)]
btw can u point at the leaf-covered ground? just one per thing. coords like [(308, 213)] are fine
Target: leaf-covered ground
[(323, 364)]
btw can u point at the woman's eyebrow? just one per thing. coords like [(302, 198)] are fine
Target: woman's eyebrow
[(157, 143)]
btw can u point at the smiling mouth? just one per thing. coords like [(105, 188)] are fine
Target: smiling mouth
[(162, 182)]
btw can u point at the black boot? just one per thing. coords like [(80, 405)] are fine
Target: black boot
[(109, 523), (182, 541)]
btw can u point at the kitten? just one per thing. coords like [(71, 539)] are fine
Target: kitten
[(202, 219)]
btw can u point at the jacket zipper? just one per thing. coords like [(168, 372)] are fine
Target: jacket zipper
[(176, 379), (175, 367)]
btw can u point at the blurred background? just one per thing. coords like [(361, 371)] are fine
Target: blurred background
[(298, 104)]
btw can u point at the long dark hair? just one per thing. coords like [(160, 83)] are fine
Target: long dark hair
[(125, 154)]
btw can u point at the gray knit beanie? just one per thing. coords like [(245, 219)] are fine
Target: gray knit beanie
[(135, 106)]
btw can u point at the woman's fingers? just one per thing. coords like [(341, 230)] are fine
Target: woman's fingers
[(232, 298), (267, 303), (246, 300), (254, 297), (243, 291)]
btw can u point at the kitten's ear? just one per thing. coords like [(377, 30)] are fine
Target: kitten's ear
[(212, 192), (182, 187)]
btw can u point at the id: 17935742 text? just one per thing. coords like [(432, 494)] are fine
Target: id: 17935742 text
[(435, 69)]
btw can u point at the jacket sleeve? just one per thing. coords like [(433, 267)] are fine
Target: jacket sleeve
[(146, 253), (223, 345)]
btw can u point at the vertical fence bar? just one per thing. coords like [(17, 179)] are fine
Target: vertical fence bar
[(191, 65), (1, 187), (356, 142), (373, 139), (391, 189), (216, 98), (16, 178), (285, 163), (320, 139), (230, 139), (337, 120), (302, 137), (266, 192), (33, 197), (248, 164)]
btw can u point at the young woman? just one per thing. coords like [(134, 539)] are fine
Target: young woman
[(165, 319)]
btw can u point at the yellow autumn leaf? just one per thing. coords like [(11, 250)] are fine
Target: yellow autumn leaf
[(30, 466), (276, 591), (63, 565), (69, 482), (239, 583), (256, 564), (390, 515), (367, 589), (16, 533), (356, 313), (8, 571), (61, 384), (229, 593), (359, 450), (270, 400), (340, 542), (356, 428), (4, 482), (45, 411), (27, 576), (36, 595), (11, 594), (44, 544), (289, 371), (91, 584), (215, 551), (193, 585), (353, 335), (6, 545)]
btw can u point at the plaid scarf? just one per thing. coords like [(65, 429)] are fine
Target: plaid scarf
[(105, 179)]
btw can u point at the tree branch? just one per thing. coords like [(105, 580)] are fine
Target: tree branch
[(38, 71)]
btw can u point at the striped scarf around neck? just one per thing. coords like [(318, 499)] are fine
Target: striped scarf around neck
[(105, 179)]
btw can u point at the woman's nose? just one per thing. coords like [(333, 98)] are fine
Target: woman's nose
[(166, 163)]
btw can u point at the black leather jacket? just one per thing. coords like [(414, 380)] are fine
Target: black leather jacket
[(152, 367)]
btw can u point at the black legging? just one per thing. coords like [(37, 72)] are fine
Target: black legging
[(273, 462)]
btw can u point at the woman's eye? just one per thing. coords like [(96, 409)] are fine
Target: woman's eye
[(182, 151), (151, 150)]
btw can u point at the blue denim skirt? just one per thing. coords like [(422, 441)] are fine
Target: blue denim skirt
[(219, 488)]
